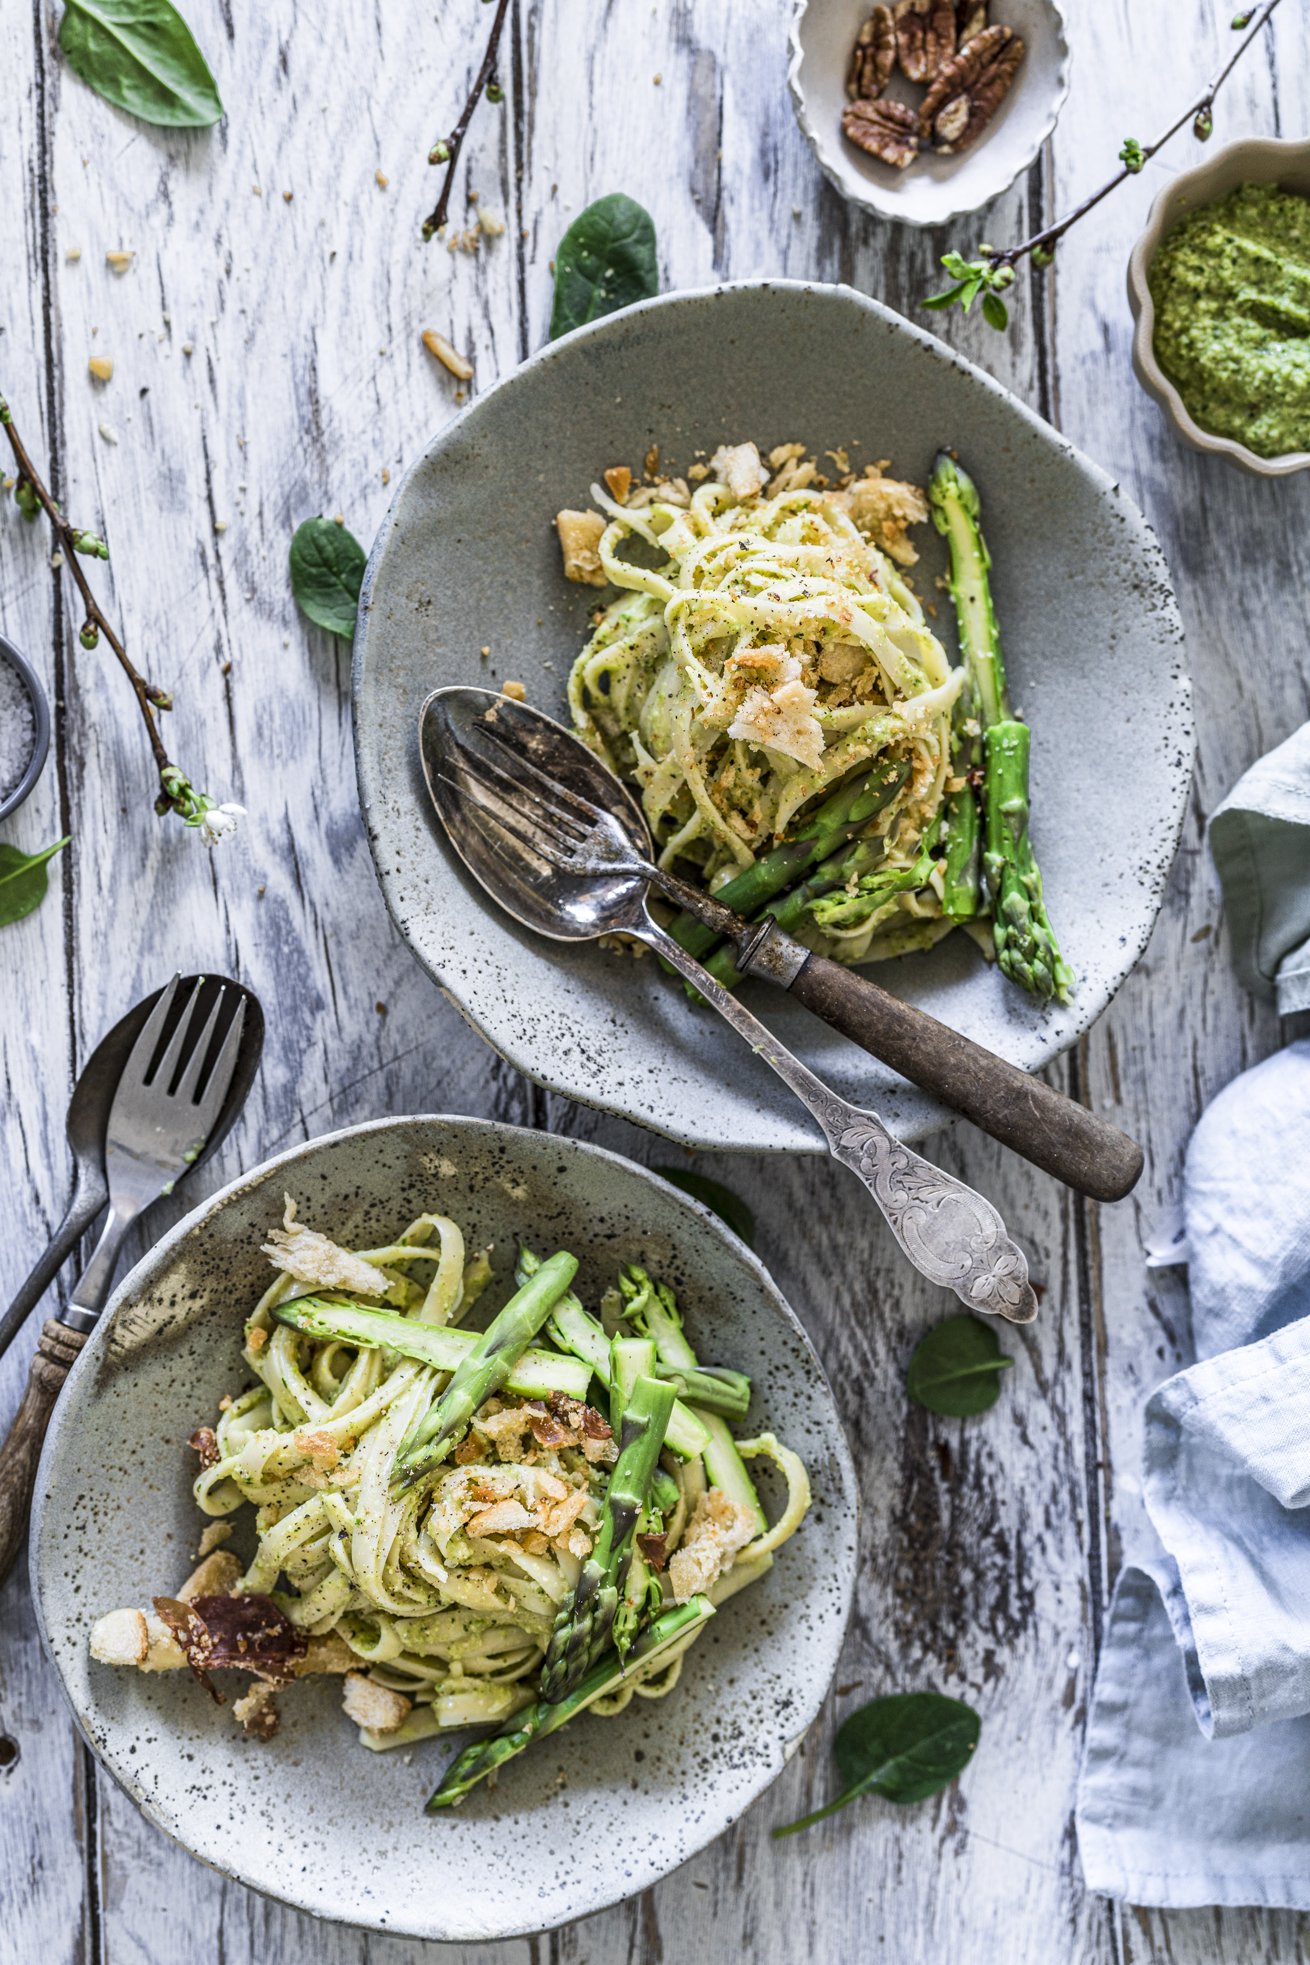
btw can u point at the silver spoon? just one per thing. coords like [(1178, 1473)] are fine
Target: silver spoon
[(953, 1235)]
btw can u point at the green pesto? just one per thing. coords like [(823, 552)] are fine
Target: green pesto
[(1231, 286)]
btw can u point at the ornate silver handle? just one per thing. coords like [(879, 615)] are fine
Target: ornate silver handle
[(950, 1233)]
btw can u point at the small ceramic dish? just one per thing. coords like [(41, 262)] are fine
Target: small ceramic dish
[(16, 790), (608, 1806), (933, 190), (1252, 160)]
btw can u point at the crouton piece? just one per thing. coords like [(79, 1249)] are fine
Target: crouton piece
[(719, 1529), (375, 1706), (213, 1577), (501, 1518), (313, 1258), (740, 467), (884, 508), (579, 539), (256, 1710), (121, 1638), (215, 1534), (618, 482)]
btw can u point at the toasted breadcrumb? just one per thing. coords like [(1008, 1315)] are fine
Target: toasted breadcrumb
[(579, 538), (741, 468), (213, 1537), (213, 1577), (719, 1529), (375, 1706), (884, 508), (256, 1710)]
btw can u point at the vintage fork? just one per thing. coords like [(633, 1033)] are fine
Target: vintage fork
[(161, 1116), (575, 836)]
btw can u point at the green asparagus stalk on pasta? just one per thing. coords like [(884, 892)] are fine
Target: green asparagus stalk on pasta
[(962, 862), (485, 1369), (546, 1717), (876, 890), (652, 1310), (641, 1595), (852, 861), (533, 1375), (856, 802), (1026, 948), (576, 1331), (583, 1628)]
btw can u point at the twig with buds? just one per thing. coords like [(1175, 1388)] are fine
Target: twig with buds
[(993, 271), (176, 791), (447, 148)]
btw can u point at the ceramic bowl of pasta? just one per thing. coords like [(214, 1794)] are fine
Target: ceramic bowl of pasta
[(448, 1530), (881, 655)]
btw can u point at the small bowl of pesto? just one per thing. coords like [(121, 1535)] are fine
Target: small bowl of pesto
[(1220, 290)]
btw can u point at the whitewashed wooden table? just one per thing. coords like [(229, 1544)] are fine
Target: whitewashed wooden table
[(272, 249)]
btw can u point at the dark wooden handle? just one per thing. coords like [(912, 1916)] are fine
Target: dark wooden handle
[(1061, 1137), (55, 1352)]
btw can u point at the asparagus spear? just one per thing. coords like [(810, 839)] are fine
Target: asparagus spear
[(1026, 949), (631, 1358), (575, 1330), (652, 1309), (711, 1388), (851, 861), (534, 1374), (845, 812), (484, 1370), (484, 1756), (583, 1626), (961, 870), (876, 889)]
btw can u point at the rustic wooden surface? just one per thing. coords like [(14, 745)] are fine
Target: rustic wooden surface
[(269, 247)]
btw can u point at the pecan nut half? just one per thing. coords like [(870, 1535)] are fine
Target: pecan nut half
[(970, 19), (966, 95), (873, 56), (886, 129), (925, 37)]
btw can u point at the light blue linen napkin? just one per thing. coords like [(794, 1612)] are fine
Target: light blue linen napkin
[(1195, 1786)]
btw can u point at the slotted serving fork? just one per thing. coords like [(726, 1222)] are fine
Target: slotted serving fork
[(168, 1104)]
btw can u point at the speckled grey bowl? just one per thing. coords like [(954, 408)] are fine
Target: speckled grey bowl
[(1251, 160), (311, 1817), (467, 558)]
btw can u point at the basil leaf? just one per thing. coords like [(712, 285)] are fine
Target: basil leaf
[(904, 1746), (23, 881), (720, 1200), (606, 260), (956, 1369), (327, 571), (141, 56)]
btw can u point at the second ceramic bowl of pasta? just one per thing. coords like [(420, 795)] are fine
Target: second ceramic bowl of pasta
[(604, 1807)]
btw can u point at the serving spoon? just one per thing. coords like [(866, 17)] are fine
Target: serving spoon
[(952, 1234)]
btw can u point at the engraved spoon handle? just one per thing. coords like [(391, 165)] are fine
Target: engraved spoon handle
[(951, 1234)]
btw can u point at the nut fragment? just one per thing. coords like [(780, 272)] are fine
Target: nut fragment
[(873, 56), (979, 78), (970, 19), (102, 367), (925, 37), (886, 129), (447, 354)]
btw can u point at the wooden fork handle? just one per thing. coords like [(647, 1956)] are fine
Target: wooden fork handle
[(1053, 1132), (55, 1354)]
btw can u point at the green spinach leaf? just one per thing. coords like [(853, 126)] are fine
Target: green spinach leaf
[(23, 880), (327, 570), (606, 260), (956, 1368), (720, 1200), (905, 1747), (141, 56)]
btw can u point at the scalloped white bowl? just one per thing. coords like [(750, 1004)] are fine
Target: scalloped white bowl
[(1251, 160), (934, 189)]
